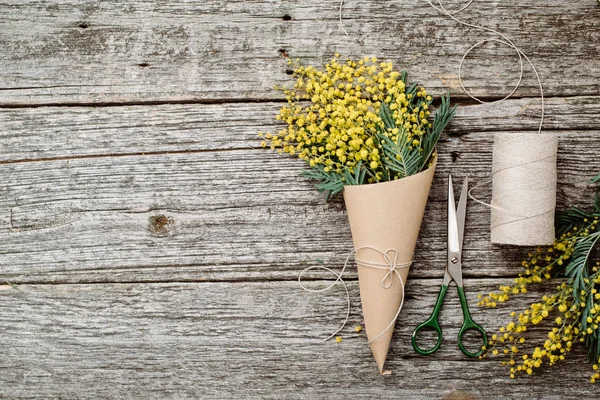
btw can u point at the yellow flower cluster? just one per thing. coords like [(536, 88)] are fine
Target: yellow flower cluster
[(563, 307), (333, 119)]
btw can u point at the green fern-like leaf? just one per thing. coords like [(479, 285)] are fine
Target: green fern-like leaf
[(577, 272), (330, 183), (440, 120), (356, 176), (411, 90), (568, 219), (596, 179), (398, 156), (578, 266), (386, 116), (404, 77)]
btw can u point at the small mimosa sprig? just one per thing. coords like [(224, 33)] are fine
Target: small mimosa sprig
[(574, 306)]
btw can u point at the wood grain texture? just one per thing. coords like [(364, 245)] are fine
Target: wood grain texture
[(83, 187), (228, 215), (43, 133), (68, 51), (155, 245), (241, 340)]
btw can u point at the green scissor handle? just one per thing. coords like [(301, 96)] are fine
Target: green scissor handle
[(432, 322), (469, 324)]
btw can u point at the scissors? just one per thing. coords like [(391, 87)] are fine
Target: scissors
[(456, 230)]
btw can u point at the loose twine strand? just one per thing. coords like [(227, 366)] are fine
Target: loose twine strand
[(346, 33), (341, 22), (506, 41), (390, 257)]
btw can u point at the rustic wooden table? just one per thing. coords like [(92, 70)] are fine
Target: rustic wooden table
[(149, 248)]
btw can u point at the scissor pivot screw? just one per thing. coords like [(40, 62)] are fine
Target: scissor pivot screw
[(454, 260)]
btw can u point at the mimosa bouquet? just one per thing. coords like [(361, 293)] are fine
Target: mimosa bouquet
[(365, 131)]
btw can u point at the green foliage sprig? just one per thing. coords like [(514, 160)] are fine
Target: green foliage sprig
[(358, 122), (574, 305)]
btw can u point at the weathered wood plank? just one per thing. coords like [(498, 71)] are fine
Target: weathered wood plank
[(69, 51), (241, 340), (62, 132), (158, 193), (237, 214)]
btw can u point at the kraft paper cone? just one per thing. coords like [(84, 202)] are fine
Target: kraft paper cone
[(385, 216)]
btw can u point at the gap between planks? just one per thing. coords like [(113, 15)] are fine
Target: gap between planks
[(6, 282), (461, 101), (135, 154), (126, 103)]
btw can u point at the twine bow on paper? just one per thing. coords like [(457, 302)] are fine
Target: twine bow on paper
[(392, 268), (390, 258)]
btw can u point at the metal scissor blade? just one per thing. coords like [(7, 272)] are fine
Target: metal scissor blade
[(453, 232), (461, 212)]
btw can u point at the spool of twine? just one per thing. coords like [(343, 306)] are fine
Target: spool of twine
[(523, 189)]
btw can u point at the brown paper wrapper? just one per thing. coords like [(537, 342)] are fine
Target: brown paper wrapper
[(385, 216)]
